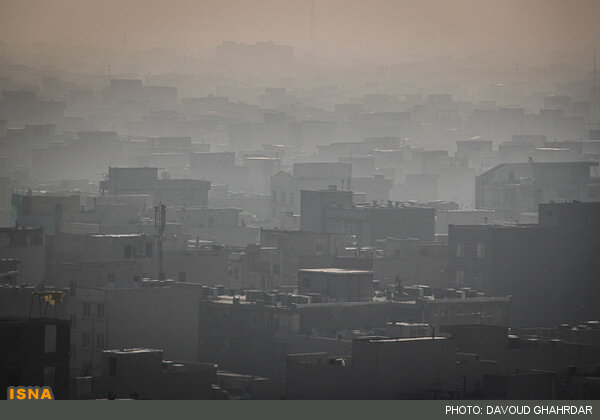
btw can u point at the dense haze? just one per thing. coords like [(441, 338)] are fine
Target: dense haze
[(358, 28), (328, 199)]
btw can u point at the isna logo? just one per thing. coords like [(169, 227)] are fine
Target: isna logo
[(29, 393)]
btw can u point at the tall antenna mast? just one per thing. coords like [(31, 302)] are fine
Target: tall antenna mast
[(594, 105), (312, 29), (160, 212)]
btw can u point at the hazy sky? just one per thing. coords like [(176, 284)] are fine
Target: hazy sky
[(367, 28)]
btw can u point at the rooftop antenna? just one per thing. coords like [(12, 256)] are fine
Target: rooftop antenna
[(160, 213), (594, 90), (312, 29)]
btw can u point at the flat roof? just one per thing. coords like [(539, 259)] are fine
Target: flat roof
[(118, 235), (335, 271), (136, 350), (394, 340)]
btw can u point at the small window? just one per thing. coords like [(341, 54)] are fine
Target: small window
[(100, 341), (319, 246), (148, 249), (86, 309), (85, 340), (49, 376), (112, 366), (101, 311), (480, 250), (72, 288), (460, 252), (460, 277), (50, 339)]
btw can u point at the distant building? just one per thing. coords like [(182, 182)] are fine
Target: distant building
[(515, 188), (299, 249), (22, 256), (144, 180), (45, 211), (255, 268), (333, 212), (337, 284), (410, 260), (286, 187)]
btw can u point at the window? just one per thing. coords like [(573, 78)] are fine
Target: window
[(72, 288), (73, 321), (480, 249), (112, 366), (49, 375), (319, 247), (460, 251), (100, 341), (149, 249), (111, 278), (50, 339), (86, 340), (460, 277), (86, 309), (127, 251), (101, 310)]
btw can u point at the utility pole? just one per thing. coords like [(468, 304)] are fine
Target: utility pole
[(160, 218)]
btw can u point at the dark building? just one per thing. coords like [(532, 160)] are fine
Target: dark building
[(337, 284), (144, 180), (141, 373), (254, 334), (426, 369), (551, 269), (35, 352), (333, 212)]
